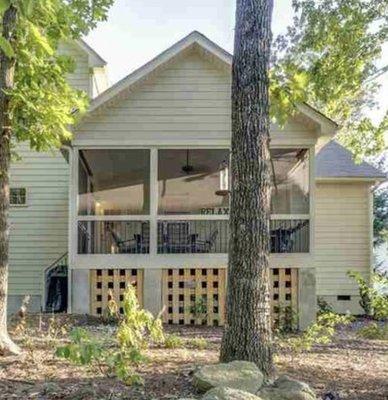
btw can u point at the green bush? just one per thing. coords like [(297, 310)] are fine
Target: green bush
[(373, 331), (199, 343), (320, 332), (173, 341), (324, 306), (374, 300), (137, 329)]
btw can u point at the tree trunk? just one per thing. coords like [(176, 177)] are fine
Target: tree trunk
[(247, 334), (7, 69)]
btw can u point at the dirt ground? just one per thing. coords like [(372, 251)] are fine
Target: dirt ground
[(356, 369)]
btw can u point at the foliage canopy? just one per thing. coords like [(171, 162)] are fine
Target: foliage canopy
[(43, 104), (329, 58)]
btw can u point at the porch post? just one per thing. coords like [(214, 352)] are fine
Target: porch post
[(152, 290), (80, 296), (307, 308)]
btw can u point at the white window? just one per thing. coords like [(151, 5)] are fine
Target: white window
[(18, 196)]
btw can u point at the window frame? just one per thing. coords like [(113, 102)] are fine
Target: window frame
[(17, 205)]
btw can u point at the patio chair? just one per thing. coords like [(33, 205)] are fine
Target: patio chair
[(176, 239), (204, 246), (282, 239), (124, 246)]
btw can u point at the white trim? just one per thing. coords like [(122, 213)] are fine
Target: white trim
[(113, 218), (289, 216), (161, 261), (312, 194), (370, 230), (94, 59), (154, 197), (355, 179)]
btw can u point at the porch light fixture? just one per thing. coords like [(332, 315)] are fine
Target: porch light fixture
[(224, 179)]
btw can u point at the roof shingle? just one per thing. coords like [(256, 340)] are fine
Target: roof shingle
[(334, 161)]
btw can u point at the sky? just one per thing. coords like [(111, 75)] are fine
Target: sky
[(137, 31)]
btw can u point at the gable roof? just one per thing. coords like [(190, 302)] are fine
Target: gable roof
[(334, 161), (195, 38), (95, 60)]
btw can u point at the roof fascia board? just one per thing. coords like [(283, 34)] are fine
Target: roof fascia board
[(327, 126), (95, 60), (340, 179), (149, 67)]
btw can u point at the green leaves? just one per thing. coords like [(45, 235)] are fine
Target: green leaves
[(40, 40), (6, 47), (328, 59), (4, 4), (42, 101)]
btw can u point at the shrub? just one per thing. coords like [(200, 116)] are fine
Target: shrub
[(199, 343), (173, 341), (324, 306), (136, 330), (320, 332), (373, 331), (287, 321), (374, 298)]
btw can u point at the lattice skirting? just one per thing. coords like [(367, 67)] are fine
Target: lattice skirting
[(115, 281), (197, 296), (284, 296), (194, 296)]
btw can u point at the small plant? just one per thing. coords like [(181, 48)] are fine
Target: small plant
[(374, 297), (287, 320), (199, 309), (324, 306), (373, 331), (173, 341), (135, 332), (21, 325), (111, 314), (320, 332), (199, 343)]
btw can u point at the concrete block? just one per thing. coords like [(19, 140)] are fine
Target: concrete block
[(80, 292), (152, 290), (307, 288)]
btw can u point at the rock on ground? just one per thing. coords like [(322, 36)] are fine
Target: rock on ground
[(225, 393), (243, 375), (285, 388)]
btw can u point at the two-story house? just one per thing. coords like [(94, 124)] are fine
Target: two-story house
[(141, 196)]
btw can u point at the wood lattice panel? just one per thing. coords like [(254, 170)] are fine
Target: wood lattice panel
[(104, 281), (184, 288), (284, 294), (194, 296)]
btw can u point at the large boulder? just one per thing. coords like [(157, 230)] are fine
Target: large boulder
[(285, 388), (226, 393), (241, 375)]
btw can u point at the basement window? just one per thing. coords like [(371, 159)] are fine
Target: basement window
[(18, 196), (343, 298)]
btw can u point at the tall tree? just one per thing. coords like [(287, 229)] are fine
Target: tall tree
[(36, 102), (247, 334), (332, 55)]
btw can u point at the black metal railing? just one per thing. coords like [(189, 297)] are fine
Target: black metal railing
[(183, 236), (290, 236), (113, 237)]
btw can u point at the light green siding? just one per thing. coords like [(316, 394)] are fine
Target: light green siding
[(187, 101), (39, 229), (80, 78)]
